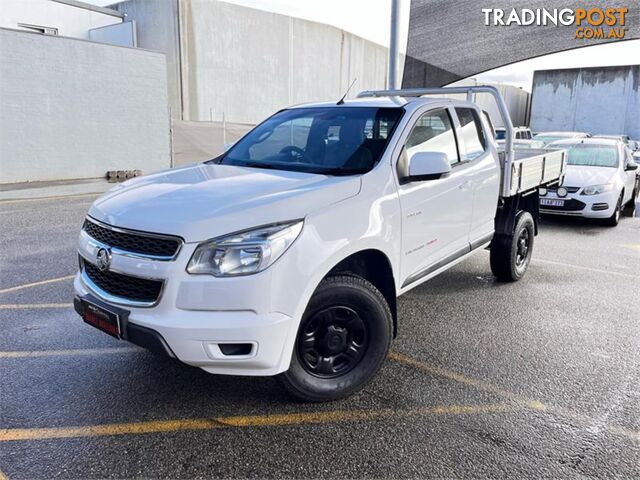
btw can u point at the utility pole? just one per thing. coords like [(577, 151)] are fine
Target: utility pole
[(393, 44)]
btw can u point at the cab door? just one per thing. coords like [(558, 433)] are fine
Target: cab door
[(436, 214)]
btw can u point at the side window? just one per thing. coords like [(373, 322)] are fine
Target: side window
[(472, 133), (433, 132)]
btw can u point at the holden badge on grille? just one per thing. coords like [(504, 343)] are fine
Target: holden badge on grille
[(103, 259)]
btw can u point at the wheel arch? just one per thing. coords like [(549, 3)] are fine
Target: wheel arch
[(374, 266)]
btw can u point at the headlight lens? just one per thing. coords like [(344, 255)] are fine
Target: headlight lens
[(542, 191), (244, 253), (596, 189)]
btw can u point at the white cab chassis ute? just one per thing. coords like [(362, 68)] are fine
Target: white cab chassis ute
[(285, 255)]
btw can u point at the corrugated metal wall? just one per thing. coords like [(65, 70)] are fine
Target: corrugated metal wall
[(603, 100)]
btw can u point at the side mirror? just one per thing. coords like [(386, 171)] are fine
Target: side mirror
[(631, 166), (428, 166)]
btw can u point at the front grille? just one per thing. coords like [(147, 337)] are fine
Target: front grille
[(569, 189), (133, 242), (124, 286), (571, 205)]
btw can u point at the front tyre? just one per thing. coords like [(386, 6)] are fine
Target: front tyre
[(511, 254), (343, 339), (614, 219)]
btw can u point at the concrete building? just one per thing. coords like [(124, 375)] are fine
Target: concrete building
[(602, 100), (68, 18), (246, 63), (229, 67), (72, 108)]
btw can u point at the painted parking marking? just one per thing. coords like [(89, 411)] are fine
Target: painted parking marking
[(26, 306), (589, 269), (69, 352), (36, 284), (458, 377), (275, 420), (512, 397)]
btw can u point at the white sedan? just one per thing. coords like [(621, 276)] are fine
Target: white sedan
[(600, 181)]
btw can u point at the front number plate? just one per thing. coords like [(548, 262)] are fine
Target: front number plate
[(102, 319), (551, 202)]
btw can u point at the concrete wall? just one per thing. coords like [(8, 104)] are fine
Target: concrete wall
[(157, 29), (70, 18), (75, 109), (248, 63), (602, 100)]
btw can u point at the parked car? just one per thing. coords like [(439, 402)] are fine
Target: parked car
[(549, 137), (285, 254), (522, 138), (601, 179)]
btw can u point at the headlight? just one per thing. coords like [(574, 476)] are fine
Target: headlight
[(542, 191), (244, 253), (596, 189)]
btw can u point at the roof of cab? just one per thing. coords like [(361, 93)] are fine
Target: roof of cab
[(379, 102)]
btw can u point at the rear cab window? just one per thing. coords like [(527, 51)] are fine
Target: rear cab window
[(474, 141)]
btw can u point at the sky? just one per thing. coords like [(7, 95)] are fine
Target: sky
[(370, 19)]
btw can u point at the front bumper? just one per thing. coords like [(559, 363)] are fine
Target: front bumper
[(194, 315), (587, 206), (195, 337)]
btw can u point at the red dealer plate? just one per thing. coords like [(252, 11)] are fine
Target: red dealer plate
[(550, 202), (102, 319)]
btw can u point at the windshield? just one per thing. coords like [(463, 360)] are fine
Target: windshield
[(591, 155), (547, 139), (327, 140), (501, 134)]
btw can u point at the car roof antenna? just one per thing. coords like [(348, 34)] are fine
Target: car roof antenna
[(341, 101)]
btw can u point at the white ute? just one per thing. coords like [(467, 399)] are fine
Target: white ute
[(285, 255)]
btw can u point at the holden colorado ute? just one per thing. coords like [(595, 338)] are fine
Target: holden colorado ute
[(285, 255)]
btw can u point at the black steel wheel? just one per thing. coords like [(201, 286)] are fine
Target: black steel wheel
[(343, 340), (332, 341), (522, 247)]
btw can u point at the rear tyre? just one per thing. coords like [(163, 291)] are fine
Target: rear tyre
[(343, 339), (511, 254), (613, 220)]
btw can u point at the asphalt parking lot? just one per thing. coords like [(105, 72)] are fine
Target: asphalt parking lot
[(535, 379)]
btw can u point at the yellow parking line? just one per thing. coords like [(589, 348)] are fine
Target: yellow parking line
[(19, 306), (36, 284), (70, 352), (3, 476), (305, 418), (458, 377), (633, 246), (513, 397), (589, 269)]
